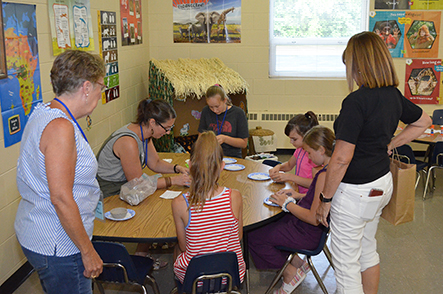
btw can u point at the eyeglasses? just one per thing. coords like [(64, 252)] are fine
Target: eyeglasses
[(166, 129), (103, 88)]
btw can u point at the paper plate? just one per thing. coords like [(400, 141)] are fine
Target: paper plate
[(234, 167), (229, 160), (259, 176), (130, 214), (268, 202)]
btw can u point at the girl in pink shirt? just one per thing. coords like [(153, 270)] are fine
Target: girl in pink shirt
[(296, 129)]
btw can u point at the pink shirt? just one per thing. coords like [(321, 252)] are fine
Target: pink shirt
[(303, 167)]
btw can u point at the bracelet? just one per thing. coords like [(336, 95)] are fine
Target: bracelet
[(175, 169), (287, 201), (168, 182)]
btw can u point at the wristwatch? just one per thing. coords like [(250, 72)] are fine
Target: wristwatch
[(323, 199)]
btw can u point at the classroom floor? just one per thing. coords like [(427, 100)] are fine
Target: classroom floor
[(411, 257)]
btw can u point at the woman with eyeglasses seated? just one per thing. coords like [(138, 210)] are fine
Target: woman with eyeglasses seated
[(130, 149)]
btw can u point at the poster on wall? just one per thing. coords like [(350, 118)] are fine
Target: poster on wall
[(407, 4), (131, 22), (21, 90), (390, 26), (422, 34), (204, 21), (422, 80), (107, 33), (71, 26)]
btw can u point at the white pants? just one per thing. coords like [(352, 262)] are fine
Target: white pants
[(354, 221)]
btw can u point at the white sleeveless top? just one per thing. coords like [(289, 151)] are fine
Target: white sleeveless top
[(37, 225)]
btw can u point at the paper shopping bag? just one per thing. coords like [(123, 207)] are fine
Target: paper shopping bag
[(400, 208)]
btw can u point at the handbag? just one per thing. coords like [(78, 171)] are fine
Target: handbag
[(400, 208)]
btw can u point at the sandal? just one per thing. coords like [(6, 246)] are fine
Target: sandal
[(158, 264)]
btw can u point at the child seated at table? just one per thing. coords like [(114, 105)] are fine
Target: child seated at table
[(299, 228), (296, 129), (209, 217)]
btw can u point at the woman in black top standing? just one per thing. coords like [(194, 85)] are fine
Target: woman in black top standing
[(358, 178)]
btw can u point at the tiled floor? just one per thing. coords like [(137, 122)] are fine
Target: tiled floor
[(411, 257)]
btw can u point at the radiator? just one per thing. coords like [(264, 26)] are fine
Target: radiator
[(277, 123)]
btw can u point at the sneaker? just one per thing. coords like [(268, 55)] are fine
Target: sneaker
[(293, 284)]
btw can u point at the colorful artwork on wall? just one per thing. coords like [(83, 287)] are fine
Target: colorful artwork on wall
[(131, 22), (203, 21), (422, 80), (21, 90)]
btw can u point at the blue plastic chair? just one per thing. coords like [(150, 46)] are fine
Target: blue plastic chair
[(309, 253), (406, 154), (437, 117), (271, 162), (120, 267), (437, 162), (209, 270)]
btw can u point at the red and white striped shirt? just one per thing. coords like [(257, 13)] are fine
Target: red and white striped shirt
[(212, 229)]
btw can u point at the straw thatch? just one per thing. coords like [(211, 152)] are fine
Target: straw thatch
[(191, 77), (259, 131)]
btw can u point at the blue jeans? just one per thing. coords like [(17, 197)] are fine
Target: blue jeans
[(60, 274)]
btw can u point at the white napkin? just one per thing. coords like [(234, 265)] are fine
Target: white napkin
[(168, 160), (170, 194)]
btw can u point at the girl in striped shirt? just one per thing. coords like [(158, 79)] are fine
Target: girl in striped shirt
[(209, 217)]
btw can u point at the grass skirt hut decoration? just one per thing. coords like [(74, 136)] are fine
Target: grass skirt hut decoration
[(183, 83)]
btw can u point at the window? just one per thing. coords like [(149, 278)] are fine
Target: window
[(307, 38)]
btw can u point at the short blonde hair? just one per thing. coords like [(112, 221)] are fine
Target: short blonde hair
[(368, 62), (218, 90)]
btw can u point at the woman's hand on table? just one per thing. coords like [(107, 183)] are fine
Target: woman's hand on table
[(181, 180), (280, 197), (182, 169)]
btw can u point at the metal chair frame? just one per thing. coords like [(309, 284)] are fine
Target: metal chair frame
[(148, 279), (309, 254)]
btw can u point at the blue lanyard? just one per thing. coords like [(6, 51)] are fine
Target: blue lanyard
[(73, 118), (223, 121), (145, 149), (298, 167)]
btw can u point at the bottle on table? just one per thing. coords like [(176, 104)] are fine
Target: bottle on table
[(432, 129)]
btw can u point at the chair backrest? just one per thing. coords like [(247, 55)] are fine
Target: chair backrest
[(111, 252), (407, 151), (210, 264), (437, 117), (316, 251), (436, 158), (271, 162)]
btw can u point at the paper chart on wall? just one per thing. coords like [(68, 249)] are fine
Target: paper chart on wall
[(71, 26), (131, 22), (422, 81), (107, 32)]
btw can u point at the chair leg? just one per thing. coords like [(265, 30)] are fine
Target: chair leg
[(153, 283), (280, 273), (316, 275), (328, 255), (174, 291), (427, 181)]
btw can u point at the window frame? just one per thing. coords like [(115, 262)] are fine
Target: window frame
[(279, 41)]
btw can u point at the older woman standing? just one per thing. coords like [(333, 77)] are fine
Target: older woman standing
[(368, 119), (56, 178)]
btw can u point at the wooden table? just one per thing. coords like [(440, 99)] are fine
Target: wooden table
[(153, 220)]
